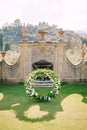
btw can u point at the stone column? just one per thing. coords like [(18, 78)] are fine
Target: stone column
[(82, 70), (3, 76), (0, 71), (60, 59), (63, 61), (22, 61), (25, 59), (55, 67)]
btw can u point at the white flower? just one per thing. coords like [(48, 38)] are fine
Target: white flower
[(36, 94), (56, 92), (45, 97), (42, 72), (59, 82), (49, 98), (27, 91), (51, 91)]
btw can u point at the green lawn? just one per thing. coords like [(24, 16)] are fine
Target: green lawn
[(68, 111)]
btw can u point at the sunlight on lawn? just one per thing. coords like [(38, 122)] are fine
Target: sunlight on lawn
[(34, 112), (1, 96), (17, 104), (73, 103), (73, 117), (74, 113)]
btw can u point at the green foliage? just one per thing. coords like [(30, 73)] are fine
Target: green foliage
[(12, 33), (29, 84), (1, 42), (84, 40), (15, 94), (7, 47)]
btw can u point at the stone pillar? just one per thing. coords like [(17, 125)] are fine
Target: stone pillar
[(55, 64), (63, 61), (0, 71), (25, 59), (3, 76), (21, 62), (82, 70), (60, 59)]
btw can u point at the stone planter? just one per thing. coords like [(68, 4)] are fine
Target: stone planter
[(60, 33), (25, 33), (3, 53), (42, 34), (83, 54)]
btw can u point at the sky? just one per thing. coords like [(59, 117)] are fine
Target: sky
[(66, 14)]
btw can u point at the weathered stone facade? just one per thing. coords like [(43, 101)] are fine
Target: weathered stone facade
[(54, 52)]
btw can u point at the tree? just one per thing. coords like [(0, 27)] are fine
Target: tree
[(84, 40), (7, 47), (17, 22), (1, 42)]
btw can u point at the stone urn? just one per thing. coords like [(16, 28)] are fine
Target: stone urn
[(60, 33), (25, 33), (42, 34), (3, 53), (83, 54)]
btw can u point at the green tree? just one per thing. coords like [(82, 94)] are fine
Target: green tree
[(1, 42), (7, 47)]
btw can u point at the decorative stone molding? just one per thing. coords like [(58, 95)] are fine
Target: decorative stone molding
[(42, 34), (25, 33), (3, 53), (83, 54), (60, 33), (54, 52)]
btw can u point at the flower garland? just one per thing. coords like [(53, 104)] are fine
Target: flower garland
[(29, 84)]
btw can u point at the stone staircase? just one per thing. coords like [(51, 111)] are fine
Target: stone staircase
[(43, 83)]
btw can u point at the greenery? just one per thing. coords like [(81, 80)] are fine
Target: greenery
[(7, 47), (29, 84), (84, 40), (1, 42), (67, 112), (12, 33)]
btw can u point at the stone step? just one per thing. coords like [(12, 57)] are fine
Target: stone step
[(43, 83)]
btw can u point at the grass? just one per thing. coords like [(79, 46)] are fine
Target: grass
[(68, 111)]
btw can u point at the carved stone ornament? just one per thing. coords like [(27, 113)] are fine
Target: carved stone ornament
[(3, 53), (42, 34), (25, 33), (60, 33), (83, 54)]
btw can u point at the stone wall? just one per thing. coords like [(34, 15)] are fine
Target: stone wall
[(10, 73), (54, 52)]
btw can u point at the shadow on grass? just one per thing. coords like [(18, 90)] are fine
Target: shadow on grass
[(16, 99)]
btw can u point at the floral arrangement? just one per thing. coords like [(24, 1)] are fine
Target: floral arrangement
[(29, 84)]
